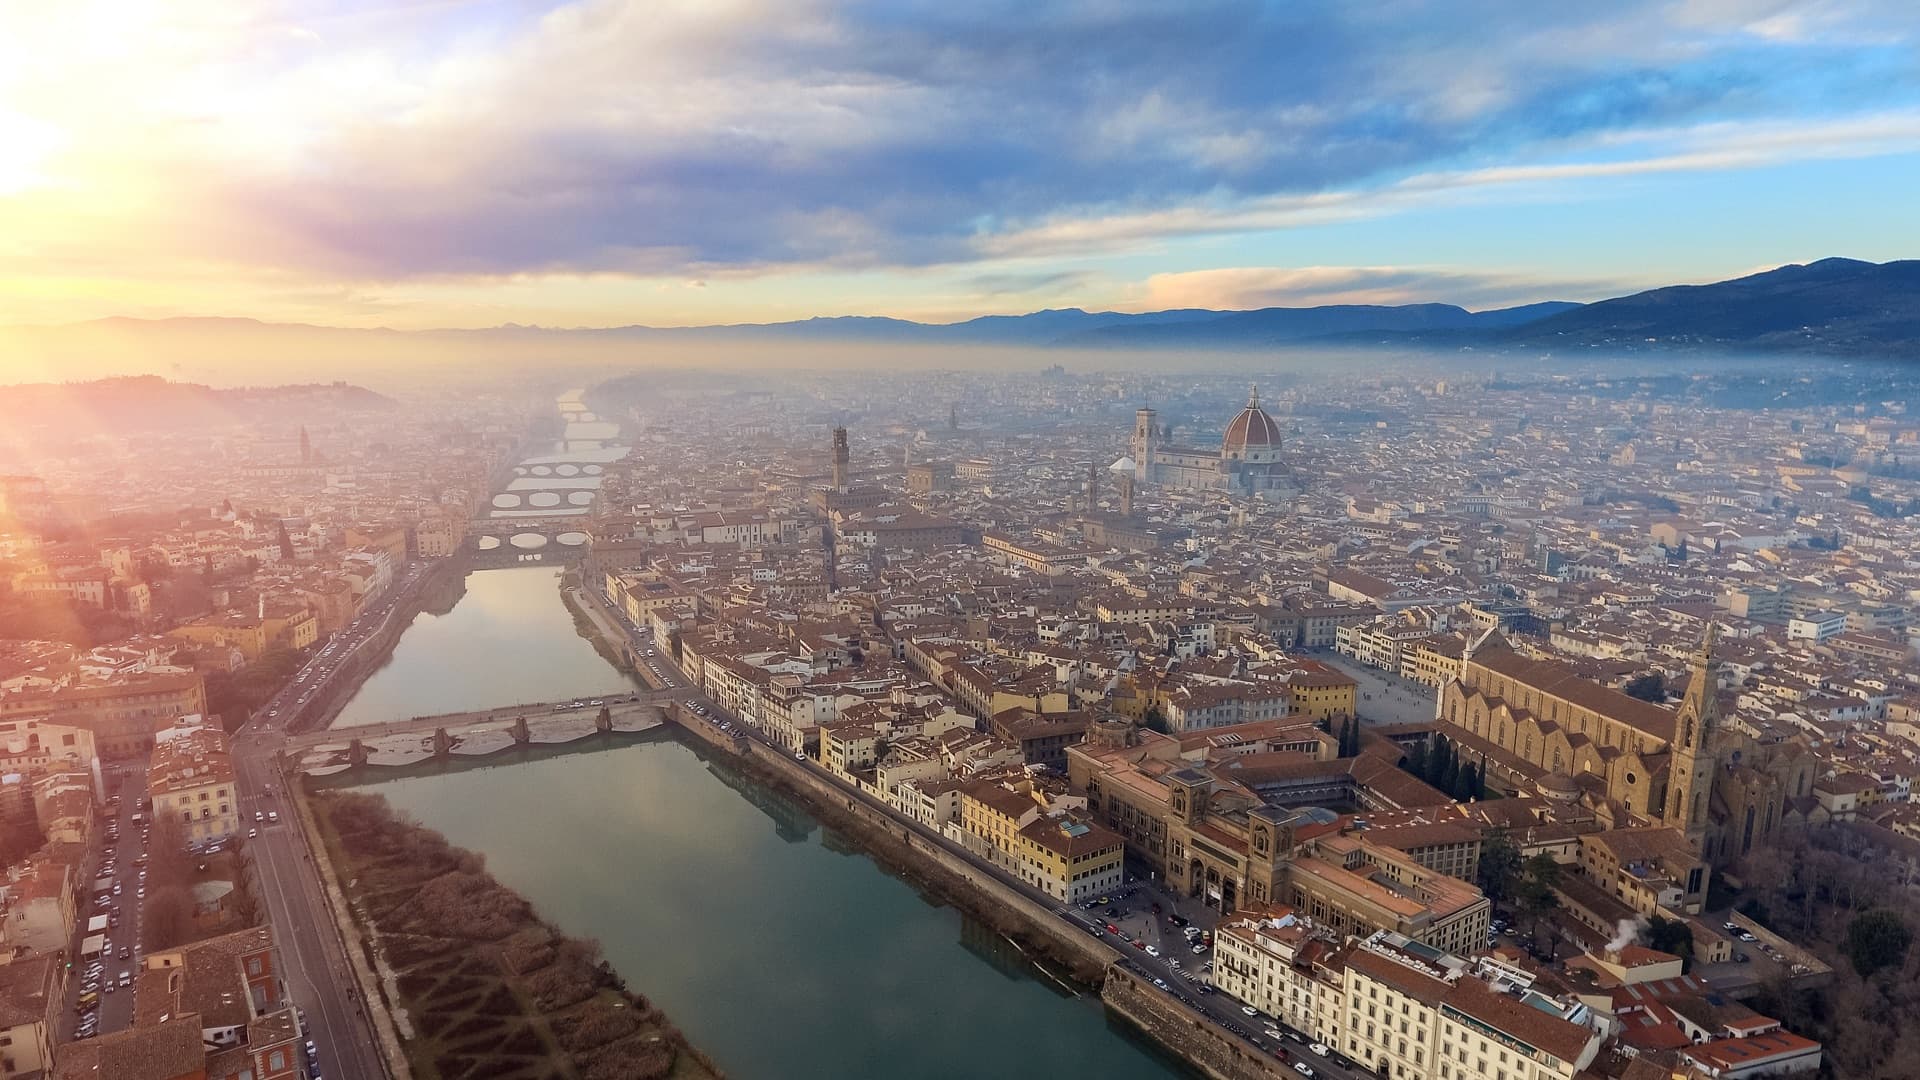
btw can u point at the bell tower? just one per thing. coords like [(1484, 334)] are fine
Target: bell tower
[(1146, 432), (841, 455), (1690, 773)]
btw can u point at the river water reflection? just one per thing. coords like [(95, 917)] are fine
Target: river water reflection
[(779, 948), (508, 640)]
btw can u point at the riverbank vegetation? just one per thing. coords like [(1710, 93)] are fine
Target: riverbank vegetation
[(488, 988)]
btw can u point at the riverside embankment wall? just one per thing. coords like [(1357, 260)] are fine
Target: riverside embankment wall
[(1194, 1037), (441, 576), (1029, 920), (1026, 920)]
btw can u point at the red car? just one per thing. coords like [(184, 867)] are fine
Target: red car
[(1112, 929)]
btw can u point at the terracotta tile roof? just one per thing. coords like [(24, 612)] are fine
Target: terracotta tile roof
[(1539, 1029), (169, 1051)]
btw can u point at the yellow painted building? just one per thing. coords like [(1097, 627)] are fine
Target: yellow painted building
[(190, 779), (1065, 857), (1324, 695)]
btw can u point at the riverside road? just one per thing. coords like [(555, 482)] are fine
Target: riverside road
[(1142, 923)]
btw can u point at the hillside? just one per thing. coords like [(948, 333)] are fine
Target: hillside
[(150, 403), (1269, 326), (1841, 306)]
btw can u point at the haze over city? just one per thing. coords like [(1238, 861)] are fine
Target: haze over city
[(680, 540)]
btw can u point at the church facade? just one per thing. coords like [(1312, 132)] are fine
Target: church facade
[(1247, 461), (1541, 726)]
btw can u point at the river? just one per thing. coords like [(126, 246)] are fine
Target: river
[(508, 641), (780, 949)]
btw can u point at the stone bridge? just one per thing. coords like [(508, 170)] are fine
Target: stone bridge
[(509, 718), (528, 538)]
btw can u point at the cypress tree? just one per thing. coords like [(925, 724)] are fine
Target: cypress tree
[(1437, 765), (1417, 760), (1464, 791)]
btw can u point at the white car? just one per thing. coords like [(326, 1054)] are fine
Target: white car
[(1303, 1069), (1318, 1048)]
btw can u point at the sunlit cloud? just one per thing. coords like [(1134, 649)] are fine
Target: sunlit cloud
[(1242, 288), (424, 158)]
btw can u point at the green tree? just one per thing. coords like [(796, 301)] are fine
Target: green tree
[(1416, 762), (1650, 686), (1499, 866), (1468, 784), (1534, 893), (1670, 936), (1877, 939), (1439, 761)]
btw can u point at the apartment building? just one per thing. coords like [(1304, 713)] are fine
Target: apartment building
[(190, 778), (1036, 839)]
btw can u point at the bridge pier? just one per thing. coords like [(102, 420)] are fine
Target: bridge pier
[(356, 753), (442, 742), (522, 735)]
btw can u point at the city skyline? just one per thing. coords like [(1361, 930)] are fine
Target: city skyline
[(596, 164)]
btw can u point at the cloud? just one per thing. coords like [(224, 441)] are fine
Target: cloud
[(698, 139), (1040, 283), (1703, 147), (1243, 288)]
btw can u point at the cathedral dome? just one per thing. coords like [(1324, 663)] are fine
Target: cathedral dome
[(1253, 429)]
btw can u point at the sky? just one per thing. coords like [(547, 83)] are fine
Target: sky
[(419, 163)]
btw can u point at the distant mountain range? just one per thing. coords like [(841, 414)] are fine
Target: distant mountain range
[(1835, 306)]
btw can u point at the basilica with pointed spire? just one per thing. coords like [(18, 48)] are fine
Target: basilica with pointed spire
[(1248, 460), (1541, 727)]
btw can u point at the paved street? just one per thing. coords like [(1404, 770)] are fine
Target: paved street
[(113, 1008), (1384, 698), (1144, 913), (317, 976), (316, 972), (307, 683)]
